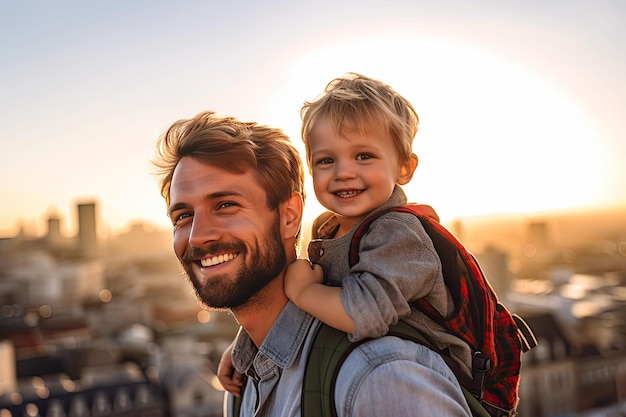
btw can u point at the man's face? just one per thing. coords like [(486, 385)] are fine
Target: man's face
[(226, 238)]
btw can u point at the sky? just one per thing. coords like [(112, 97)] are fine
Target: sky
[(521, 103)]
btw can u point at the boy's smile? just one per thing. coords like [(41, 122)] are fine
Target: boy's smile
[(348, 194)]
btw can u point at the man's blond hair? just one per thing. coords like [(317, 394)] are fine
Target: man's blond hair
[(235, 146)]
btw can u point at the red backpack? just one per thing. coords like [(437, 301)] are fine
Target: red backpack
[(497, 337)]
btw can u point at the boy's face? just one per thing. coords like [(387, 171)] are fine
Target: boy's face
[(353, 172)]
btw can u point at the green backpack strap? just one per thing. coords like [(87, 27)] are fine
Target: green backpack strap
[(329, 350)]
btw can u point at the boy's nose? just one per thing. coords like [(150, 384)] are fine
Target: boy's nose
[(344, 170)]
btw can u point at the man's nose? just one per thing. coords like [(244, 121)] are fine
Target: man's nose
[(204, 229)]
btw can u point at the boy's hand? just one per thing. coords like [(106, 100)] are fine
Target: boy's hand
[(231, 380), (301, 274)]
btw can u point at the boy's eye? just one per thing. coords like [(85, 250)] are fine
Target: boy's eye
[(363, 156), (324, 161)]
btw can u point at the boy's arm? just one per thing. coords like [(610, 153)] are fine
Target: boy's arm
[(304, 287)]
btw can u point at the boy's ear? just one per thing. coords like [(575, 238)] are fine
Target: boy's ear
[(291, 216), (407, 169)]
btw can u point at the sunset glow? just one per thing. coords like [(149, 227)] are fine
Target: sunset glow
[(519, 105)]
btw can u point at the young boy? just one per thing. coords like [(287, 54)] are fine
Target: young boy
[(358, 136)]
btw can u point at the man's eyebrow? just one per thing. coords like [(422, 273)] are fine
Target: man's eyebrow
[(222, 194), (177, 206), (212, 196)]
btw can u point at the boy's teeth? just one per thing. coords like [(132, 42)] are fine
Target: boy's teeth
[(215, 260), (346, 194)]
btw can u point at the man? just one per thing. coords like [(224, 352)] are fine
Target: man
[(235, 195)]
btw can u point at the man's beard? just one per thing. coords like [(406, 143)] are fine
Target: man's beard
[(259, 268)]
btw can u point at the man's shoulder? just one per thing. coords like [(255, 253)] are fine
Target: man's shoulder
[(392, 373), (331, 349), (387, 349)]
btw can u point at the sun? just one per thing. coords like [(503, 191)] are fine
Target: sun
[(494, 136)]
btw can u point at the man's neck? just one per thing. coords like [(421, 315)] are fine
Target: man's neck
[(258, 317)]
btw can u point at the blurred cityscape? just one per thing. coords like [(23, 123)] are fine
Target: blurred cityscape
[(109, 327)]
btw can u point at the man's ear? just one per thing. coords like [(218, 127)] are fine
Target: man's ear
[(407, 169), (291, 216)]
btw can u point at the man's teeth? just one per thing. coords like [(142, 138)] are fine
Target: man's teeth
[(216, 260), (346, 194)]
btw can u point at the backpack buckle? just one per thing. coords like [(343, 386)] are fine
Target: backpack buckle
[(481, 364)]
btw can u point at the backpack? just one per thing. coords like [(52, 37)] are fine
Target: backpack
[(497, 337)]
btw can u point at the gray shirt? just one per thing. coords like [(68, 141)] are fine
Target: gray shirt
[(397, 264)]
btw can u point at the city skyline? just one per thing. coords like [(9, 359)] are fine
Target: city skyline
[(571, 293), (520, 104), (573, 227)]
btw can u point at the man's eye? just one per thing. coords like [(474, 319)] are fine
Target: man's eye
[(226, 205), (181, 216)]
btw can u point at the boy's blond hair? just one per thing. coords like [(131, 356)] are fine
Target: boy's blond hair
[(362, 101)]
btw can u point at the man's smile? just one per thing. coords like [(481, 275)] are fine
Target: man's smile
[(218, 259)]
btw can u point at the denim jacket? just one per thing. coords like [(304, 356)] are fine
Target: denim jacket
[(382, 377)]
